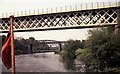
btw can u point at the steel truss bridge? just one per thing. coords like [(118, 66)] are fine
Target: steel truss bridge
[(60, 43), (51, 42), (75, 18)]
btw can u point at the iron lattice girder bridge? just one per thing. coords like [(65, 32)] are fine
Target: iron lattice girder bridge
[(66, 20)]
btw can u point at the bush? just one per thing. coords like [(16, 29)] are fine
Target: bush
[(104, 52), (68, 53), (82, 54)]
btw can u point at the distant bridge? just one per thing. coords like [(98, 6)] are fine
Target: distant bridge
[(60, 43), (51, 42)]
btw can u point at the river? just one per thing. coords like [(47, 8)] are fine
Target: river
[(37, 62)]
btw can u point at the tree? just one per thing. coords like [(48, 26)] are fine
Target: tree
[(68, 53), (31, 38), (105, 50), (3, 38), (36, 45), (21, 46)]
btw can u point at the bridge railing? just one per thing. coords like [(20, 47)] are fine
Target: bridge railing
[(68, 8)]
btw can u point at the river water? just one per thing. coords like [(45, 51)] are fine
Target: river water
[(40, 62), (37, 62)]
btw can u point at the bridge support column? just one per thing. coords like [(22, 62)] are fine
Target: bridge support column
[(30, 49), (117, 27), (60, 46)]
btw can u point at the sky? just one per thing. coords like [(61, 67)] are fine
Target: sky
[(7, 6)]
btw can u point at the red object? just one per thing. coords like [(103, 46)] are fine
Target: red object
[(6, 51)]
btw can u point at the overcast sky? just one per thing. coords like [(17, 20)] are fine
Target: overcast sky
[(7, 6)]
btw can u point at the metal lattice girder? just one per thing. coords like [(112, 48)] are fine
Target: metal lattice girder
[(86, 18)]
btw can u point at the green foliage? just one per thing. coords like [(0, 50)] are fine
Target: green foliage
[(82, 54), (22, 46), (38, 47), (104, 50), (68, 53)]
